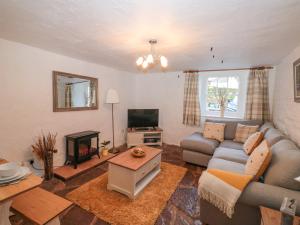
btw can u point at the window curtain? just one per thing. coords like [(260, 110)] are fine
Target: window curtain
[(191, 104), (92, 93), (257, 104), (68, 95)]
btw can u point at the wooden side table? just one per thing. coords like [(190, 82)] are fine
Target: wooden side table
[(7, 193), (273, 217), (40, 206)]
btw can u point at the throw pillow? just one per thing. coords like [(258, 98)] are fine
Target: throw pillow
[(265, 130), (214, 131), (259, 160), (243, 132), (253, 141)]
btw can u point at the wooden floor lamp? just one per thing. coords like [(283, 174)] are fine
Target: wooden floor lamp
[(112, 98)]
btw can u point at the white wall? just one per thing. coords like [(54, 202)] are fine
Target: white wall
[(165, 92), (26, 100), (286, 112)]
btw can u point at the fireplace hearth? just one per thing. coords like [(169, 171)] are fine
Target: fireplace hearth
[(81, 147)]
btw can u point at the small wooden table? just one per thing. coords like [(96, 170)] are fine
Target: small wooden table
[(273, 217), (40, 206), (130, 175), (10, 191)]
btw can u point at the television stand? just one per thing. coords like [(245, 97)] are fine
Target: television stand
[(143, 128), (148, 136)]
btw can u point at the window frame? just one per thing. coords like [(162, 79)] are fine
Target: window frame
[(242, 91)]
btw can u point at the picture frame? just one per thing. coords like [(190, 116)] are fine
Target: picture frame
[(81, 94), (296, 66)]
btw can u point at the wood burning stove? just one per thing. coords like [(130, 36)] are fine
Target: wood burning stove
[(81, 147)]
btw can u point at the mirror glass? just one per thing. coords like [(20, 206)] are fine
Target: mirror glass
[(74, 92)]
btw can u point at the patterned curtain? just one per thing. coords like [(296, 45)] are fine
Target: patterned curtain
[(191, 104), (257, 105), (68, 95), (92, 93)]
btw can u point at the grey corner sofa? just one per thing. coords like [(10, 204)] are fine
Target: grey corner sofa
[(278, 180)]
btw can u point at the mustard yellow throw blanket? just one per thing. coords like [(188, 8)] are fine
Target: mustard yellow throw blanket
[(222, 188)]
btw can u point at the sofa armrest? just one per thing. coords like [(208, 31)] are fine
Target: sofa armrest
[(260, 194)]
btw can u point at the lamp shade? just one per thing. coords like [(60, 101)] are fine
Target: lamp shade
[(112, 96)]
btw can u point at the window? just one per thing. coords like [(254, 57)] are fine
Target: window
[(223, 95), (222, 91)]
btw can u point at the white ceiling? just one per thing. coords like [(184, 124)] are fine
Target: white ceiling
[(115, 32)]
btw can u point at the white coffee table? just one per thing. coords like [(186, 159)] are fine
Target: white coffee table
[(129, 175)]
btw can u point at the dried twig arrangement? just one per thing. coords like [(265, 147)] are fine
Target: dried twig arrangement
[(44, 148)]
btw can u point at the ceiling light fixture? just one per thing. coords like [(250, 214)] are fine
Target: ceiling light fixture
[(152, 59)]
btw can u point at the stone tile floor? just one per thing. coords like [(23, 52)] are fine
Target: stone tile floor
[(181, 209)]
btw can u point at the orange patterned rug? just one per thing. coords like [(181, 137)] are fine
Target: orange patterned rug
[(118, 209)]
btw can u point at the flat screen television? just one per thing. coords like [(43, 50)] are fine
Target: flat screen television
[(143, 118)]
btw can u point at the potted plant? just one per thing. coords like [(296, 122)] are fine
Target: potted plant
[(104, 148), (44, 148)]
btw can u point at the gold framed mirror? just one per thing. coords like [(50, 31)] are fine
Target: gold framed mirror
[(73, 92)]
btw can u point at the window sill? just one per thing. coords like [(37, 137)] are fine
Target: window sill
[(219, 117)]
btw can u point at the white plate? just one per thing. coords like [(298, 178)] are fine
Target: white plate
[(11, 177), (23, 171), (8, 169)]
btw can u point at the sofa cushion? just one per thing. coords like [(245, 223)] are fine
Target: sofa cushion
[(222, 164), (284, 166), (266, 126), (252, 142), (243, 132), (231, 125), (259, 160), (214, 131), (196, 142), (273, 136), (284, 145), (231, 144), (230, 154)]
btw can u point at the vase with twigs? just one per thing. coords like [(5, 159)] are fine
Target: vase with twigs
[(44, 148)]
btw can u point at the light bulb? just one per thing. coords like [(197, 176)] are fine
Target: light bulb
[(145, 64), (139, 61), (150, 59), (163, 61)]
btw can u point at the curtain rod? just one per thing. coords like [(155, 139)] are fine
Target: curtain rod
[(231, 69)]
